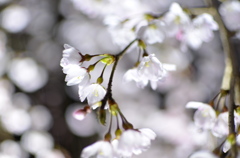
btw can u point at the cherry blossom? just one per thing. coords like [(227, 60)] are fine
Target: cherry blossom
[(134, 141), (152, 32), (93, 92), (132, 75), (80, 114), (100, 149), (71, 56), (151, 68), (230, 12), (175, 20), (76, 75), (205, 116), (201, 30), (220, 127)]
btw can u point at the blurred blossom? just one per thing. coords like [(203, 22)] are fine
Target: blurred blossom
[(201, 30), (21, 100), (15, 18), (16, 121), (47, 52), (70, 30), (41, 22), (84, 128), (230, 11), (99, 149), (175, 19), (205, 116), (41, 117), (220, 127), (6, 90), (203, 154), (50, 154), (94, 8), (13, 149), (27, 75), (36, 141), (4, 1)]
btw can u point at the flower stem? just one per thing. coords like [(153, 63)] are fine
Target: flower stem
[(229, 78)]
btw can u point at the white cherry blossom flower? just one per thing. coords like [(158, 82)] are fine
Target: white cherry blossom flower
[(94, 93), (152, 33), (100, 149), (145, 72), (124, 30), (132, 75), (230, 12), (71, 56), (175, 19), (201, 30), (220, 127), (205, 116), (151, 68), (134, 142), (76, 75)]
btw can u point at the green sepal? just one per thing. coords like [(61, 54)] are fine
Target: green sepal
[(108, 60), (102, 116), (149, 17)]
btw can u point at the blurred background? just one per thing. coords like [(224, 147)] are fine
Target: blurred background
[(36, 106)]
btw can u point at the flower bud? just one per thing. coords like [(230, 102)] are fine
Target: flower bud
[(91, 68), (80, 114), (99, 80)]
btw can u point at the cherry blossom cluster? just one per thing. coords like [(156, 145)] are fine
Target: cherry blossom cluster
[(127, 140), (175, 24), (130, 142), (136, 33), (214, 117), (77, 75)]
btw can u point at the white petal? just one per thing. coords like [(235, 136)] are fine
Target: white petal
[(226, 146), (203, 154), (205, 117), (94, 93), (169, 67), (194, 105), (148, 132)]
